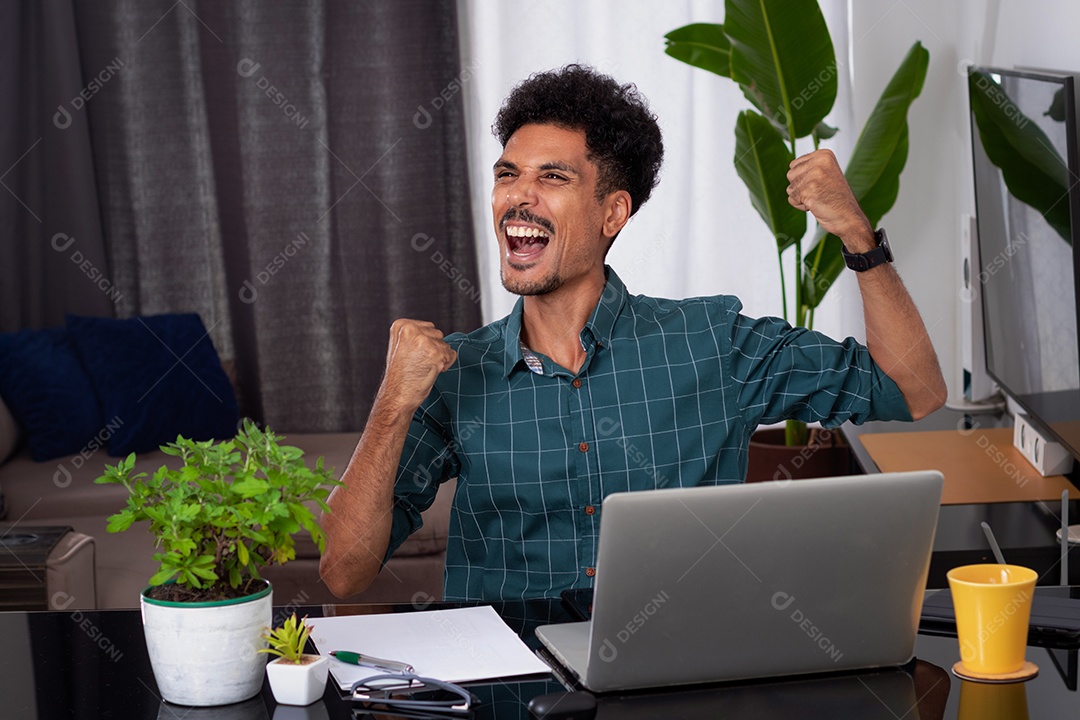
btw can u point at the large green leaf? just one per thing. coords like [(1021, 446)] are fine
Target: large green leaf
[(877, 142), (1031, 167), (762, 159), (873, 172), (823, 264), (703, 45), (879, 199), (782, 56)]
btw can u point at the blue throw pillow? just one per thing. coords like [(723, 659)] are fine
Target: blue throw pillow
[(156, 377), (48, 392)]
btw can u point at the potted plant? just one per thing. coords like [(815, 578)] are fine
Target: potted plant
[(296, 678), (781, 55), (229, 509)]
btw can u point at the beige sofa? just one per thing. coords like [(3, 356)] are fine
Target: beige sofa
[(63, 492)]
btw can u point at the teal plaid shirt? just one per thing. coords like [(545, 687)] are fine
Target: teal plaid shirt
[(668, 396)]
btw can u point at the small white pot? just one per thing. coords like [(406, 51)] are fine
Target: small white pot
[(298, 684), (207, 653)]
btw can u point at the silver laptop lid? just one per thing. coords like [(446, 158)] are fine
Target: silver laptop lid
[(744, 581)]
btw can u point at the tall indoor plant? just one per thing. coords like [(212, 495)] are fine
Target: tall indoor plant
[(229, 509), (781, 55)]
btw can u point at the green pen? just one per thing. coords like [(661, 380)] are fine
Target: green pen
[(354, 658)]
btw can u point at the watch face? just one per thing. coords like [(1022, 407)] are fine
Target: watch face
[(883, 243)]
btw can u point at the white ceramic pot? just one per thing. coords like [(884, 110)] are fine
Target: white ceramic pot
[(207, 653), (298, 684)]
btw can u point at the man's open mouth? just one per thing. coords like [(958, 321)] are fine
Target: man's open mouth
[(524, 241)]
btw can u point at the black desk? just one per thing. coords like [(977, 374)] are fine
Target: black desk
[(94, 665), (1024, 530)]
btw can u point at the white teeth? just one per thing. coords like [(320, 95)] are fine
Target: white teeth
[(519, 231)]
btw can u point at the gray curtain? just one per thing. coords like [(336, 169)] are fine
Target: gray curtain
[(293, 172), (52, 256)]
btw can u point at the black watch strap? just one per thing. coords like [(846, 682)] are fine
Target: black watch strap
[(860, 262)]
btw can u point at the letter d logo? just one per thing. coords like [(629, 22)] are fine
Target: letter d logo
[(782, 476), (247, 67), (422, 600), (608, 652), (61, 601), (61, 478), (422, 118), (781, 600), (248, 294), (607, 426), (967, 431), (62, 241), (422, 477), (424, 243), (62, 118)]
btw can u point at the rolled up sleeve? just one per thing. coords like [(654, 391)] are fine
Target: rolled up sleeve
[(428, 459), (794, 373)]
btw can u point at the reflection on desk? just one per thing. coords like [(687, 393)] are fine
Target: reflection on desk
[(888, 695), (94, 664), (921, 690), (253, 709)]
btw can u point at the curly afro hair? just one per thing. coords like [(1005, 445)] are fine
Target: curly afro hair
[(621, 134)]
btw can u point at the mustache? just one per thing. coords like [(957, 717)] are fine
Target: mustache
[(523, 215)]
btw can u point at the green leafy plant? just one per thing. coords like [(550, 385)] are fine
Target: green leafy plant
[(781, 55), (288, 640), (231, 508)]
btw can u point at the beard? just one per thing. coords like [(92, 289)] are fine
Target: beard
[(542, 286)]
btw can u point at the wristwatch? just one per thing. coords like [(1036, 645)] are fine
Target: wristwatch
[(864, 261)]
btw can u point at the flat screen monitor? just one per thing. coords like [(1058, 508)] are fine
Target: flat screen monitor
[(1027, 200)]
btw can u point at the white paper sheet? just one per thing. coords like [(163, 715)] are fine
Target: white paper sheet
[(456, 645)]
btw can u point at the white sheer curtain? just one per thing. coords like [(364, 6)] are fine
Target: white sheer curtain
[(698, 234)]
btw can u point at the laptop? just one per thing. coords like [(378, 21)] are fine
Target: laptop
[(732, 582)]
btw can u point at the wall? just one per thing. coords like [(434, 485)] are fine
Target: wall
[(936, 187), (698, 234)]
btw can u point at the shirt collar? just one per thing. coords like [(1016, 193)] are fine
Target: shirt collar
[(598, 329), (602, 322)]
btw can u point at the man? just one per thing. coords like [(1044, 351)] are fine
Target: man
[(583, 389)]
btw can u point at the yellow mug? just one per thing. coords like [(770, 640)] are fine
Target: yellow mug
[(993, 608)]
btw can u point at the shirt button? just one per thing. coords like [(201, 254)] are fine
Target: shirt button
[(584, 447), (576, 383), (590, 509), (591, 572)]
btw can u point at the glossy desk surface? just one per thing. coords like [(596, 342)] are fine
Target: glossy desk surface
[(1024, 530), (94, 665)]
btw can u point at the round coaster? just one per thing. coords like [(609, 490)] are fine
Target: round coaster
[(1028, 671)]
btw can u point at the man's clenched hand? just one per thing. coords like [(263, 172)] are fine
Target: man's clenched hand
[(818, 186), (416, 355)]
